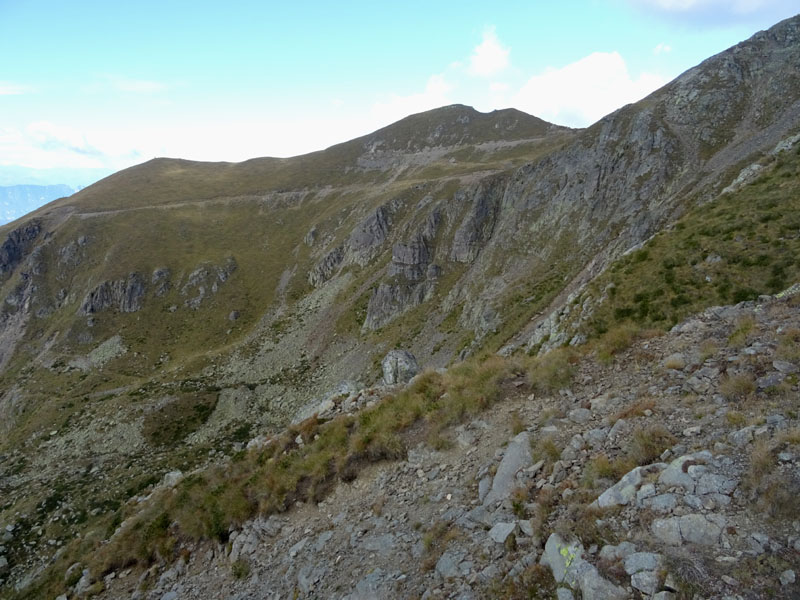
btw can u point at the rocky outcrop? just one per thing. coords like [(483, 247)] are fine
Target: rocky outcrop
[(205, 281), (412, 259), (161, 281), (123, 295), (367, 238), (399, 366), (363, 244), (326, 267), (389, 301), (479, 222), (17, 245)]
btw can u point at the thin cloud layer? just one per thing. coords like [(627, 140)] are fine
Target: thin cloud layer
[(719, 12), (582, 92), (9, 88)]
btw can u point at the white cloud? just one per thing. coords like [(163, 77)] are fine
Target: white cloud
[(8, 88), (436, 94), (489, 57), (662, 48), (584, 91)]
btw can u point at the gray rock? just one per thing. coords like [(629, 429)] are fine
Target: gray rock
[(712, 483), (595, 587), (787, 577), (478, 224), (646, 582), (170, 596), (447, 565), (563, 559), (516, 457), (369, 588), (770, 380), (785, 367), (390, 300), (382, 544), (617, 429), (410, 259), (675, 474), (580, 415), (742, 437), (624, 491), (500, 532), (322, 539), (484, 485), (702, 529), (3, 565), (326, 267), (124, 295), (668, 531), (643, 561), (369, 235), (618, 552), (399, 366), (665, 595), (564, 594), (568, 566), (296, 548), (663, 503)]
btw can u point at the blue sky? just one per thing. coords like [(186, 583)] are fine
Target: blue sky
[(107, 85)]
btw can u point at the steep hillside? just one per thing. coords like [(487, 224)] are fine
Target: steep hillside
[(166, 316)]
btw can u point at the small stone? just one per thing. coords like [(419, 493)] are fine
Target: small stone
[(580, 415), (501, 531), (646, 582), (294, 550), (447, 565), (642, 561), (784, 367), (787, 577)]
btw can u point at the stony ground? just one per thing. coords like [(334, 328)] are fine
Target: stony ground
[(524, 503)]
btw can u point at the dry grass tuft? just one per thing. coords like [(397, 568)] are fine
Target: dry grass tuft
[(637, 409), (708, 348), (735, 419), (741, 334), (648, 444), (738, 387), (517, 424), (553, 371)]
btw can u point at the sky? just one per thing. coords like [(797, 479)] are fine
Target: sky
[(99, 86)]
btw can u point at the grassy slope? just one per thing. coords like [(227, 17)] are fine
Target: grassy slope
[(732, 249)]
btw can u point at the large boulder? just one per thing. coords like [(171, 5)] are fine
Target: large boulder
[(399, 366)]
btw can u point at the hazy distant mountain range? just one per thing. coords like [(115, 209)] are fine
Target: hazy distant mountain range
[(18, 200)]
